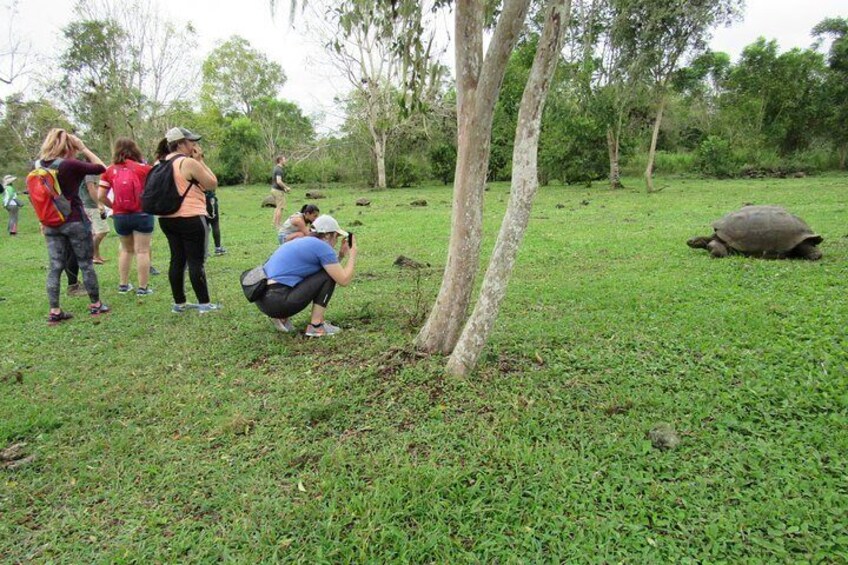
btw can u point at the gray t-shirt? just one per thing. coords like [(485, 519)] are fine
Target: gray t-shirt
[(279, 171), (84, 196)]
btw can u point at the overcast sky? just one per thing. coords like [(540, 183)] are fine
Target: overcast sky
[(312, 85)]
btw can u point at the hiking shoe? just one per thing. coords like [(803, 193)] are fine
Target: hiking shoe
[(179, 308), (321, 330), (124, 288), (283, 326), (143, 291), (99, 309), (220, 250), (206, 308), (154, 271), (76, 290), (54, 319)]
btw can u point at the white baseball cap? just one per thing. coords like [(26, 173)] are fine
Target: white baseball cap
[(178, 134), (327, 224)]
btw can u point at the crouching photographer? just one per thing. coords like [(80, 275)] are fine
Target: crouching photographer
[(306, 270)]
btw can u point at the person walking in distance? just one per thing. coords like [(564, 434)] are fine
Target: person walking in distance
[(11, 203), (279, 189)]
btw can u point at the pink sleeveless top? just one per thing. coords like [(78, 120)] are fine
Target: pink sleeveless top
[(194, 203)]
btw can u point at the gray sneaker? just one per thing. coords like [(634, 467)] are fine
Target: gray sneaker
[(211, 307), (124, 288), (322, 330), (282, 326), (143, 291)]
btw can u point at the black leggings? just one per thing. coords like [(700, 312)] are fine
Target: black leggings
[(187, 240), (282, 301)]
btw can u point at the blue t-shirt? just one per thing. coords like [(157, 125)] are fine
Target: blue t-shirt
[(298, 259)]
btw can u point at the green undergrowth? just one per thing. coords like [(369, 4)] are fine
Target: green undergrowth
[(172, 438)]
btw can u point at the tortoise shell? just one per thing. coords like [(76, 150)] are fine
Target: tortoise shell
[(764, 229)]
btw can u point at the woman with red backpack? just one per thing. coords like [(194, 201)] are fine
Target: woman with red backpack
[(71, 230), (125, 178)]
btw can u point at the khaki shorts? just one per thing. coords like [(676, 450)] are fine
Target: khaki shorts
[(279, 197), (98, 224)]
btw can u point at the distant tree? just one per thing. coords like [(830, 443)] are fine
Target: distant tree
[(283, 128), (236, 76), (241, 138), (125, 71), (23, 126), (386, 53), (660, 33), (775, 100), (836, 120), (14, 52)]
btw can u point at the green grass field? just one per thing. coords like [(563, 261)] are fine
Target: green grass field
[(174, 438)]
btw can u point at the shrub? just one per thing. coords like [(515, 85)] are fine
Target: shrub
[(715, 158)]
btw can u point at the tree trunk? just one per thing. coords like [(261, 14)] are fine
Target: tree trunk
[(652, 153), (614, 148), (380, 157), (843, 153), (478, 83), (525, 183)]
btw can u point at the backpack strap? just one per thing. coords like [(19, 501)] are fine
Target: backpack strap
[(53, 164), (191, 182)]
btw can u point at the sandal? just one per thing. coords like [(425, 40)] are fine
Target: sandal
[(54, 319)]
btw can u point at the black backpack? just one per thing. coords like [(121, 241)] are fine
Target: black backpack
[(160, 195)]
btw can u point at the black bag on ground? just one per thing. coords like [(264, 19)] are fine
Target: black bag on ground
[(161, 196), (254, 283)]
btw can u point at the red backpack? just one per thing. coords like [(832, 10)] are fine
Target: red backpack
[(45, 194), (126, 189)]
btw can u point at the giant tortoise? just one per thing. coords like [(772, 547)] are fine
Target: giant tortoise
[(769, 232)]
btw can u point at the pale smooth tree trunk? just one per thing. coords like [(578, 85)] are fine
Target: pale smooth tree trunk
[(652, 152), (478, 82), (379, 140), (525, 183), (843, 153)]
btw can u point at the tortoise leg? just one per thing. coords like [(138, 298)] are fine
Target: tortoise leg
[(807, 251), (700, 242), (717, 249)]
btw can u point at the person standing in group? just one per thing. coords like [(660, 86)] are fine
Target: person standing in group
[(125, 178), (58, 151), (186, 229), (307, 270), (279, 189), (11, 203), (297, 225), (214, 221), (96, 213)]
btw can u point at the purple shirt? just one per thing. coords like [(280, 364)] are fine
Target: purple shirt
[(71, 174)]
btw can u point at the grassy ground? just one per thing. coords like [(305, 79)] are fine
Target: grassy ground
[(163, 438)]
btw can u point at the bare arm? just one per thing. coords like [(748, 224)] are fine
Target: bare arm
[(197, 171), (300, 225), (343, 275), (103, 196)]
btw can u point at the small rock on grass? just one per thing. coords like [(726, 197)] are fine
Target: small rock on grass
[(314, 195), (363, 202), (664, 436)]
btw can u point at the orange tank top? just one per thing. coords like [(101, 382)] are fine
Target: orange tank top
[(194, 204)]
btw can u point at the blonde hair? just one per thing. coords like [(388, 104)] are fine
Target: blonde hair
[(58, 143)]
